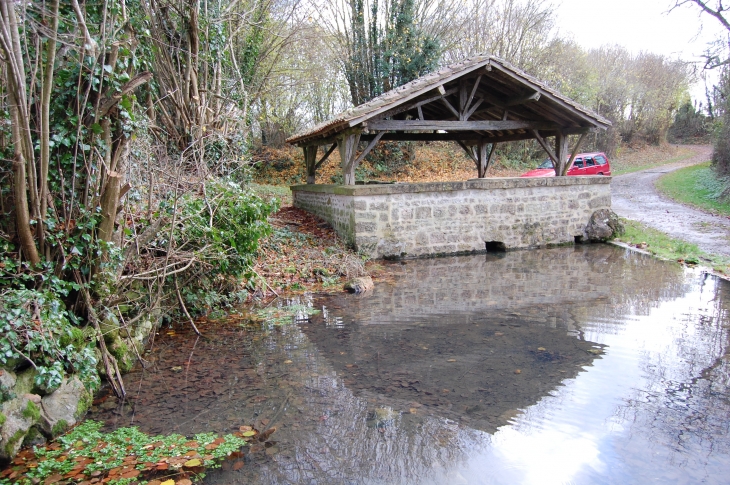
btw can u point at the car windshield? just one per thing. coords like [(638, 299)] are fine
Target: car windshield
[(546, 164)]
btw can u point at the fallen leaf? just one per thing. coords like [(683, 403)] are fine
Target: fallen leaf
[(518, 371), (245, 428), (238, 465), (130, 474), (541, 349), (168, 482), (184, 481), (451, 360), (192, 463), (246, 434)]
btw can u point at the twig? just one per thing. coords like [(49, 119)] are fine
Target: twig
[(264, 280), (184, 308)]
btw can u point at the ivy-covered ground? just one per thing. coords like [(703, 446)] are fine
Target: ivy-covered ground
[(87, 456)]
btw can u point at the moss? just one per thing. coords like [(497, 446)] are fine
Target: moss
[(84, 404), (3, 418), (15, 439), (59, 428), (32, 412), (120, 350), (75, 337)]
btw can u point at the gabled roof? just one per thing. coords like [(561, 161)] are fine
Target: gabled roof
[(493, 87)]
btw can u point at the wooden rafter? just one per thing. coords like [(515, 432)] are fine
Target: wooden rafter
[(484, 125)]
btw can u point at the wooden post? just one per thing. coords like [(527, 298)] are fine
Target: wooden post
[(561, 151), (310, 159), (348, 145), (482, 159)]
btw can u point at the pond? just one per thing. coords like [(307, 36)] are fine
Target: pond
[(583, 365)]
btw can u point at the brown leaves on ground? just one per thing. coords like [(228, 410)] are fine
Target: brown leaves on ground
[(304, 253)]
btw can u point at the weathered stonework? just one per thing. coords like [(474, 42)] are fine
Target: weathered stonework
[(412, 220)]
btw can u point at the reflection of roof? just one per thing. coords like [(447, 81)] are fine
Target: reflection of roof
[(501, 84)]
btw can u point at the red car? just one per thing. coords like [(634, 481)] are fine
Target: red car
[(584, 164)]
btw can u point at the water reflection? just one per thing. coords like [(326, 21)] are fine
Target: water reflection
[(623, 377)]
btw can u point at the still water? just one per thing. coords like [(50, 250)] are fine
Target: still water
[(571, 365)]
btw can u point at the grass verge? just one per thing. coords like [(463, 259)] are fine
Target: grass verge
[(659, 244), (648, 158), (698, 186)]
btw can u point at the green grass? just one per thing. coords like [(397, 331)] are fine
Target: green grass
[(620, 168), (665, 247), (268, 192), (698, 186)]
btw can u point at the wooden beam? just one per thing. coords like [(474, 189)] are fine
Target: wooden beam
[(471, 98), (469, 137), (575, 150), (448, 105), (473, 109), (441, 90), (485, 125), (547, 149), (469, 152), (326, 155), (521, 100), (370, 146)]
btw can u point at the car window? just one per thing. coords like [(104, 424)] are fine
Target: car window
[(601, 160), (590, 162), (578, 163), (546, 164)]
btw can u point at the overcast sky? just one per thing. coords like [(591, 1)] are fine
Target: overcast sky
[(639, 25)]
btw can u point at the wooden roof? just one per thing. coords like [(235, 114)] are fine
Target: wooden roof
[(482, 97)]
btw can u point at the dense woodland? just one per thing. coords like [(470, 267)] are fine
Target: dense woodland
[(129, 125)]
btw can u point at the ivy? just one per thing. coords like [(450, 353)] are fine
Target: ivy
[(35, 329)]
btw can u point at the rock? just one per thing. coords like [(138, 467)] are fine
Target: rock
[(359, 285), (62, 408), (604, 225), (18, 416)]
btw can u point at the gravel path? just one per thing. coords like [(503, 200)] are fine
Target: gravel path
[(634, 197)]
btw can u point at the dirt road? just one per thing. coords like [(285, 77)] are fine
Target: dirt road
[(634, 197)]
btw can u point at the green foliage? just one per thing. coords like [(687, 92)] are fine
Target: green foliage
[(698, 185), (222, 228), (84, 442), (33, 325), (225, 224), (3, 418), (689, 124), (386, 52)]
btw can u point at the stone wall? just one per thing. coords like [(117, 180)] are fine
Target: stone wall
[(412, 220)]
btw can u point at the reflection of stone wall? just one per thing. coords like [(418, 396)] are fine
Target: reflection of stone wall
[(544, 281), (406, 220)]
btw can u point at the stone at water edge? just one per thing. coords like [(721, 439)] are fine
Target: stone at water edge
[(359, 285), (62, 408), (17, 423), (604, 225)]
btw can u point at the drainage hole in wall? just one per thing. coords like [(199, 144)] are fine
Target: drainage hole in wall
[(495, 247)]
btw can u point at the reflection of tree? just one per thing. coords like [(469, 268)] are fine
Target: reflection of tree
[(685, 404)]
